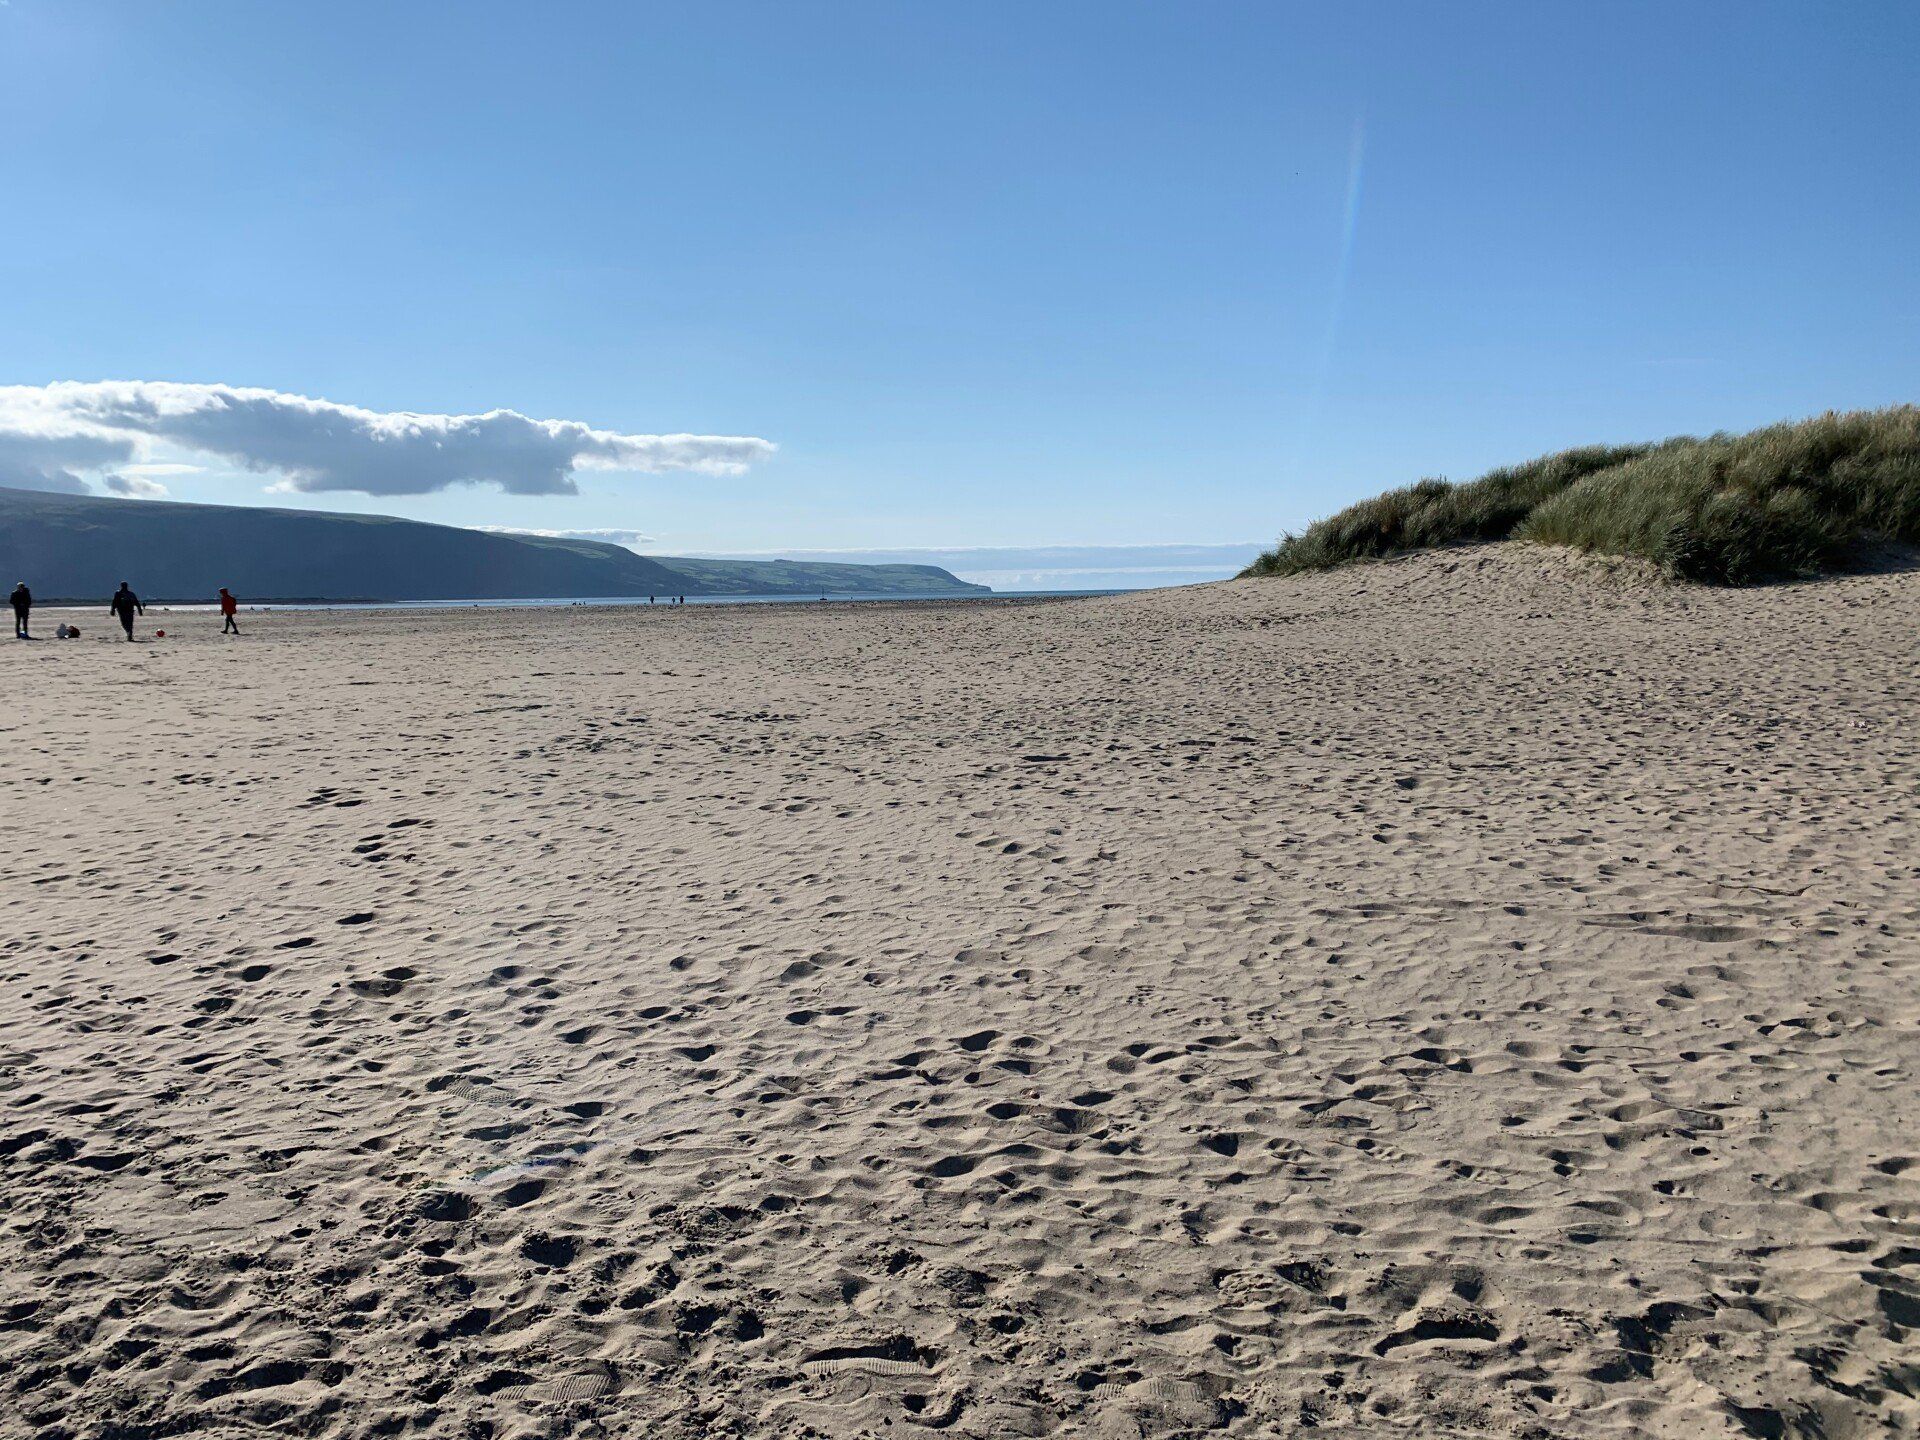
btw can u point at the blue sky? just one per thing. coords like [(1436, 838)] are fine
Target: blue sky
[(986, 274)]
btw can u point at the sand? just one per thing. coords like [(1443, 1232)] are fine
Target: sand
[(1468, 996)]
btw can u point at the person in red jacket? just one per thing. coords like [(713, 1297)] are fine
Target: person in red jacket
[(228, 606)]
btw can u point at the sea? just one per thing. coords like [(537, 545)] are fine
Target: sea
[(658, 602)]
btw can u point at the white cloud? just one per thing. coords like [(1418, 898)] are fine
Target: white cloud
[(29, 461), (151, 470), (315, 445), (133, 486), (628, 538), (61, 482)]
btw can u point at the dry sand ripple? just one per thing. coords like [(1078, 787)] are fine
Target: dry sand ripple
[(1468, 996)]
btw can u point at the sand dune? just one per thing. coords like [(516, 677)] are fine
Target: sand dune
[(1468, 996)]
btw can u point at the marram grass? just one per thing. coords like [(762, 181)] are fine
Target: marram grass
[(1791, 499)]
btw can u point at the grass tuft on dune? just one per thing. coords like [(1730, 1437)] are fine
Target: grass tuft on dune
[(1790, 499)]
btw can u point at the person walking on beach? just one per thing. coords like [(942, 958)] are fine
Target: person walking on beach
[(123, 604), (228, 605), (22, 603)]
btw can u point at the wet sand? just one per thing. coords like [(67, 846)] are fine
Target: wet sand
[(1469, 996)]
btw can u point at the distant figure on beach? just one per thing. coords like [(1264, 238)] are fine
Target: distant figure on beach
[(22, 603), (228, 605), (123, 605)]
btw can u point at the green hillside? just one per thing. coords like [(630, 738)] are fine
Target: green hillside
[(79, 547)]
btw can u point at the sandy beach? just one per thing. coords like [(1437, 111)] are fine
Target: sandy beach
[(1473, 995)]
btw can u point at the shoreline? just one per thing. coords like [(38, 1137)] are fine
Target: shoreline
[(598, 602)]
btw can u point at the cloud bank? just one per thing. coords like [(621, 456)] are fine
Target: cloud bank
[(50, 433), (35, 462), (133, 486)]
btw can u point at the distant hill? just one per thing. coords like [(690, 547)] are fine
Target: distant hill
[(1791, 499), (816, 577), (80, 547)]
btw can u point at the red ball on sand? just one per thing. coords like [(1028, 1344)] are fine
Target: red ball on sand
[(159, 634)]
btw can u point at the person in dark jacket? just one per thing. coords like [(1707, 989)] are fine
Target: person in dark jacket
[(123, 605), (228, 605), (22, 603)]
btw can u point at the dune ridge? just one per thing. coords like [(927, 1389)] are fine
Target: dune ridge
[(1797, 498)]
